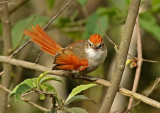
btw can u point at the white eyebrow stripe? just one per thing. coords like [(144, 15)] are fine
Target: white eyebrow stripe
[(89, 41)]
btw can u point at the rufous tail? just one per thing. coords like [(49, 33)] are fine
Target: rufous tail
[(40, 37)]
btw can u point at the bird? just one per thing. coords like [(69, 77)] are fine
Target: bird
[(82, 56)]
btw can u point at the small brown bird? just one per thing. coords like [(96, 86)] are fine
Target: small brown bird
[(83, 56)]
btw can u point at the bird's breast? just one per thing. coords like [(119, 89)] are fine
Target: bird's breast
[(95, 57)]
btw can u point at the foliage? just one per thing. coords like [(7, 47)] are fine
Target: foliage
[(18, 28), (35, 83), (155, 6), (79, 89), (149, 23), (100, 22), (82, 2), (40, 86), (50, 4)]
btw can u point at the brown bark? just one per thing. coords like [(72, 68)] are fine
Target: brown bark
[(121, 58), (6, 36)]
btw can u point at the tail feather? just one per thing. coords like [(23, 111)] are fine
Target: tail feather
[(40, 37)]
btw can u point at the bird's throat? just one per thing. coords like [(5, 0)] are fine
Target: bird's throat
[(95, 57)]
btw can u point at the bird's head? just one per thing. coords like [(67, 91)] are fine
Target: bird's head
[(95, 42)]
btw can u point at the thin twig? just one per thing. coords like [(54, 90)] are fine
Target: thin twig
[(22, 37), (42, 92), (1, 73), (151, 61), (145, 60), (115, 45), (62, 73), (5, 89), (138, 70), (25, 94), (53, 18), (26, 100), (154, 86), (152, 89), (34, 104), (107, 37), (19, 49), (38, 56)]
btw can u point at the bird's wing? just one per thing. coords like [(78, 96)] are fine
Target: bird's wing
[(68, 61)]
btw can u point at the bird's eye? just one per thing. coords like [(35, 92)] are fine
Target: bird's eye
[(101, 45), (89, 44)]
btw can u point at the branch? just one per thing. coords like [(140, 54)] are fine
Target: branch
[(33, 66), (35, 105), (54, 17), (1, 73), (7, 42), (151, 90), (140, 60), (107, 37), (12, 6), (121, 58), (26, 100), (139, 97), (62, 73)]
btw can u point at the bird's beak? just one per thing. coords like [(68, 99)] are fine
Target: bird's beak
[(95, 47)]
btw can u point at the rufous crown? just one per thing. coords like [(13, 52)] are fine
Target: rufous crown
[(96, 39)]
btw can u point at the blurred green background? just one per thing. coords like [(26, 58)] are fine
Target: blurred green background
[(81, 19)]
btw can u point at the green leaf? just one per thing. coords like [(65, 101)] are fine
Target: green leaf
[(155, 6), (42, 97), (78, 98), (121, 5), (149, 24), (79, 89), (20, 90), (82, 2), (46, 87), (30, 82), (75, 110), (50, 4), (95, 23), (62, 22), (18, 28), (48, 78), (40, 77)]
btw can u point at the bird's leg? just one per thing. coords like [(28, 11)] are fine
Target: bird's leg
[(89, 78)]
